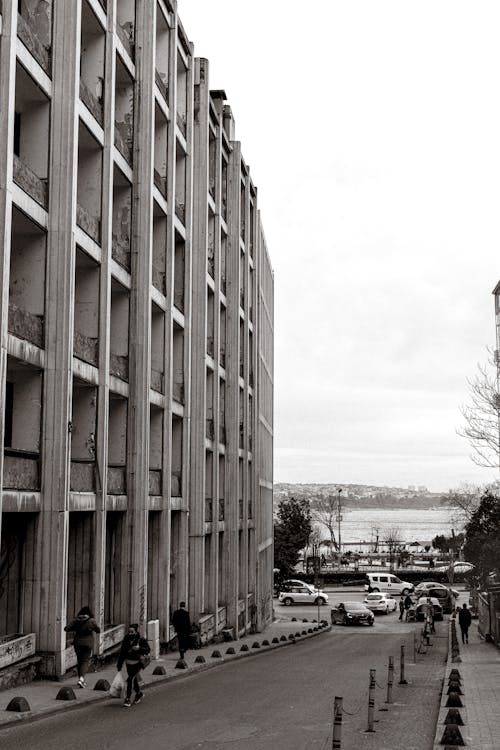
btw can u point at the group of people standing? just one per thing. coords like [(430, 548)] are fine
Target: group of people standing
[(134, 648)]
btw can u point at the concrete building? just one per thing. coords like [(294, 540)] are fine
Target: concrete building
[(137, 335)]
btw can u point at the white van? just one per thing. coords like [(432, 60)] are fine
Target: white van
[(388, 583)]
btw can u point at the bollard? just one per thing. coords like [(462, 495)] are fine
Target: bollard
[(337, 722), (402, 680), (371, 701), (390, 679), (415, 647)]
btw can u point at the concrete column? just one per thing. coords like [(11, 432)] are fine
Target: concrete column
[(7, 90), (140, 311), (52, 533), (197, 493), (232, 389)]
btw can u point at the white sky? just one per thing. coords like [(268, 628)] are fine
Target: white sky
[(372, 131)]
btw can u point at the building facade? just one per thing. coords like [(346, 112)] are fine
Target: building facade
[(136, 307)]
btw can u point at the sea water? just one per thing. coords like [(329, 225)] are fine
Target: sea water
[(411, 525)]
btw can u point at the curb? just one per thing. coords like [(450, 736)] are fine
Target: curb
[(151, 681)]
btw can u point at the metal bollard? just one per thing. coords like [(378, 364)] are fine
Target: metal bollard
[(402, 680), (390, 679), (415, 647), (371, 701), (337, 722)]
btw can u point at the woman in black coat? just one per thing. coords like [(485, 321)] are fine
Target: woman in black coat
[(132, 652), (83, 626)]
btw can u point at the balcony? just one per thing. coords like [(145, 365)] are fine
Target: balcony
[(117, 480), (160, 182), (30, 182), (208, 510), (162, 85), (21, 470), (157, 381), (123, 140), (82, 477), (27, 33), (90, 224), (126, 34), (93, 104), (176, 484), (26, 325), (155, 476), (86, 348), (158, 278), (118, 366), (120, 250)]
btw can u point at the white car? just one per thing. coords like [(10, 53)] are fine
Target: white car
[(387, 582), (302, 595), (380, 603)]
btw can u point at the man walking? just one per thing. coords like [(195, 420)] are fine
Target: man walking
[(182, 627), (464, 620), (401, 606)]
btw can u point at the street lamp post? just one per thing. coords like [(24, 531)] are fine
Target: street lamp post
[(339, 519)]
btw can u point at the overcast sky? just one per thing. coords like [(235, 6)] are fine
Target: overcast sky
[(372, 131)]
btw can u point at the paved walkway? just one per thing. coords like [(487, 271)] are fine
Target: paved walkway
[(479, 670)]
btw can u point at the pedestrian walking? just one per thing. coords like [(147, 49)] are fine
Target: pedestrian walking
[(464, 620), (83, 626), (133, 650), (408, 604), (401, 606), (182, 626)]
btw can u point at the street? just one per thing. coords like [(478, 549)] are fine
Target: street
[(282, 699)]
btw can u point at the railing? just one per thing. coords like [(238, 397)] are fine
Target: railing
[(93, 104), (120, 250), (29, 182), (86, 348), (90, 224), (117, 480), (26, 325), (118, 365), (21, 470), (27, 33)]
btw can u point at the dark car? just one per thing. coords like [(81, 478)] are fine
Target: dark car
[(352, 613), (443, 594)]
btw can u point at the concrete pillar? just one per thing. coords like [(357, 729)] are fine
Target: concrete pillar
[(52, 533)]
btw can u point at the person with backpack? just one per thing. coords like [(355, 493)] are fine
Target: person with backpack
[(133, 650), (83, 626)]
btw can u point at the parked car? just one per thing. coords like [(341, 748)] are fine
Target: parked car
[(302, 595), (289, 583), (387, 582), (352, 613), (422, 604), (446, 596), (380, 603)]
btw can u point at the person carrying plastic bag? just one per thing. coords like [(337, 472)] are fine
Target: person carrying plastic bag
[(133, 651)]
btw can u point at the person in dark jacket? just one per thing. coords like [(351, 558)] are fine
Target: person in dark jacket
[(132, 651), (464, 620), (83, 626), (182, 626)]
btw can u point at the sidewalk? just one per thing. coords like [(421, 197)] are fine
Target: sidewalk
[(41, 694), (479, 670)]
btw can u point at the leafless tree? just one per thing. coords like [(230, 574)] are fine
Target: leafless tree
[(392, 537), (464, 500), (324, 513), (481, 415)]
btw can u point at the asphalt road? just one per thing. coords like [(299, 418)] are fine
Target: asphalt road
[(281, 699)]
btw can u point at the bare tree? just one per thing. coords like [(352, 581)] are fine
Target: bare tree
[(392, 537), (481, 415), (325, 514), (465, 500)]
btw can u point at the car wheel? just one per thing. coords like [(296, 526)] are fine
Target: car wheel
[(370, 623), (288, 602), (319, 601), (375, 590), (405, 592)]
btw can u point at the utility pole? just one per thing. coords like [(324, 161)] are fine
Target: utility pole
[(339, 519)]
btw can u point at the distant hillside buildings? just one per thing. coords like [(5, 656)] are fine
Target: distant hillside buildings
[(136, 377)]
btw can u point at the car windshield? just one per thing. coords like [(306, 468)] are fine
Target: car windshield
[(353, 605)]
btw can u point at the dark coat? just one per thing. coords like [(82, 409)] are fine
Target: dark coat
[(181, 621), (132, 649), (84, 628), (464, 618)]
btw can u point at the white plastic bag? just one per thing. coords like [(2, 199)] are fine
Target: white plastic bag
[(117, 686)]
